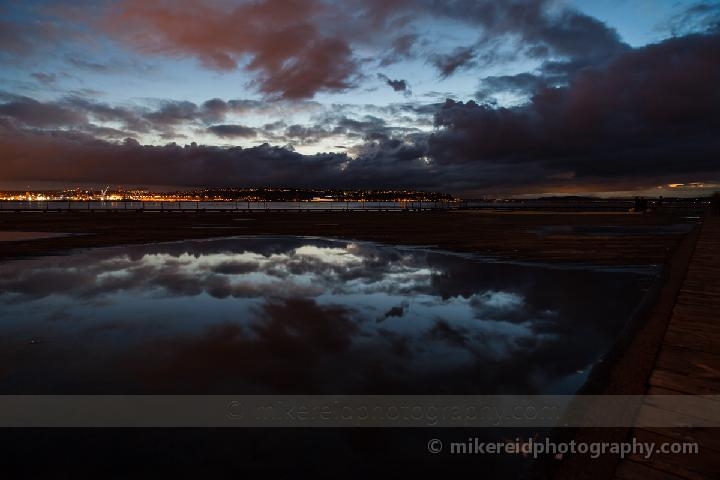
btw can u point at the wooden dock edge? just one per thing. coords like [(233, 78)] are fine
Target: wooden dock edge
[(626, 370)]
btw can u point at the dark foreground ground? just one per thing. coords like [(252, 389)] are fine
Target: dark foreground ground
[(597, 238), (612, 238)]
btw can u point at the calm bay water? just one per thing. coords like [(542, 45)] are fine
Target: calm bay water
[(301, 315)]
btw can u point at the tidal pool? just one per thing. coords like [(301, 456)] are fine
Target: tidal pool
[(304, 315)]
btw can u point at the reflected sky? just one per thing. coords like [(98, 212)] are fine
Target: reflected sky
[(299, 315)]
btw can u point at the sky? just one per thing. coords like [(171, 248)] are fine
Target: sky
[(472, 97)]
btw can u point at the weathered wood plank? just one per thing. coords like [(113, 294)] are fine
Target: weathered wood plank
[(689, 362), (707, 438), (684, 383), (631, 470), (705, 407), (653, 416), (704, 321), (701, 466), (704, 341)]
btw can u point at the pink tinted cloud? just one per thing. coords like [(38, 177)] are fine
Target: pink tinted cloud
[(282, 41)]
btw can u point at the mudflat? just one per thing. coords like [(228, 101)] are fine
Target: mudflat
[(593, 238)]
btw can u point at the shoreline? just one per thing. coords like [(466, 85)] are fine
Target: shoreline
[(508, 236)]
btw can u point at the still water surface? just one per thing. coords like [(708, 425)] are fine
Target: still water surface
[(303, 315)]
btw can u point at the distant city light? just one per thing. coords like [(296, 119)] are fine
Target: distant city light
[(226, 194)]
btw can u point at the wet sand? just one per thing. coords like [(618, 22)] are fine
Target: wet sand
[(15, 236), (594, 238)]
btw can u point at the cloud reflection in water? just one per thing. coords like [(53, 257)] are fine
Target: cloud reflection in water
[(298, 315)]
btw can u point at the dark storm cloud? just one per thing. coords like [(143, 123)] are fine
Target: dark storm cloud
[(173, 112), (699, 17), (305, 134), (289, 53), (447, 64), (564, 31), (298, 48), (232, 131), (108, 66), (623, 122), (395, 162), (597, 112), (522, 84), (76, 111), (215, 109), (91, 66), (80, 114), (539, 30), (46, 78), (131, 119), (70, 157), (368, 126), (397, 85), (19, 40), (73, 112), (14, 39), (336, 123), (415, 109), (543, 28), (401, 48), (637, 117), (32, 113)]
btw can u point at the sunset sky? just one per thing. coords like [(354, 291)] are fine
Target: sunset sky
[(463, 96)]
